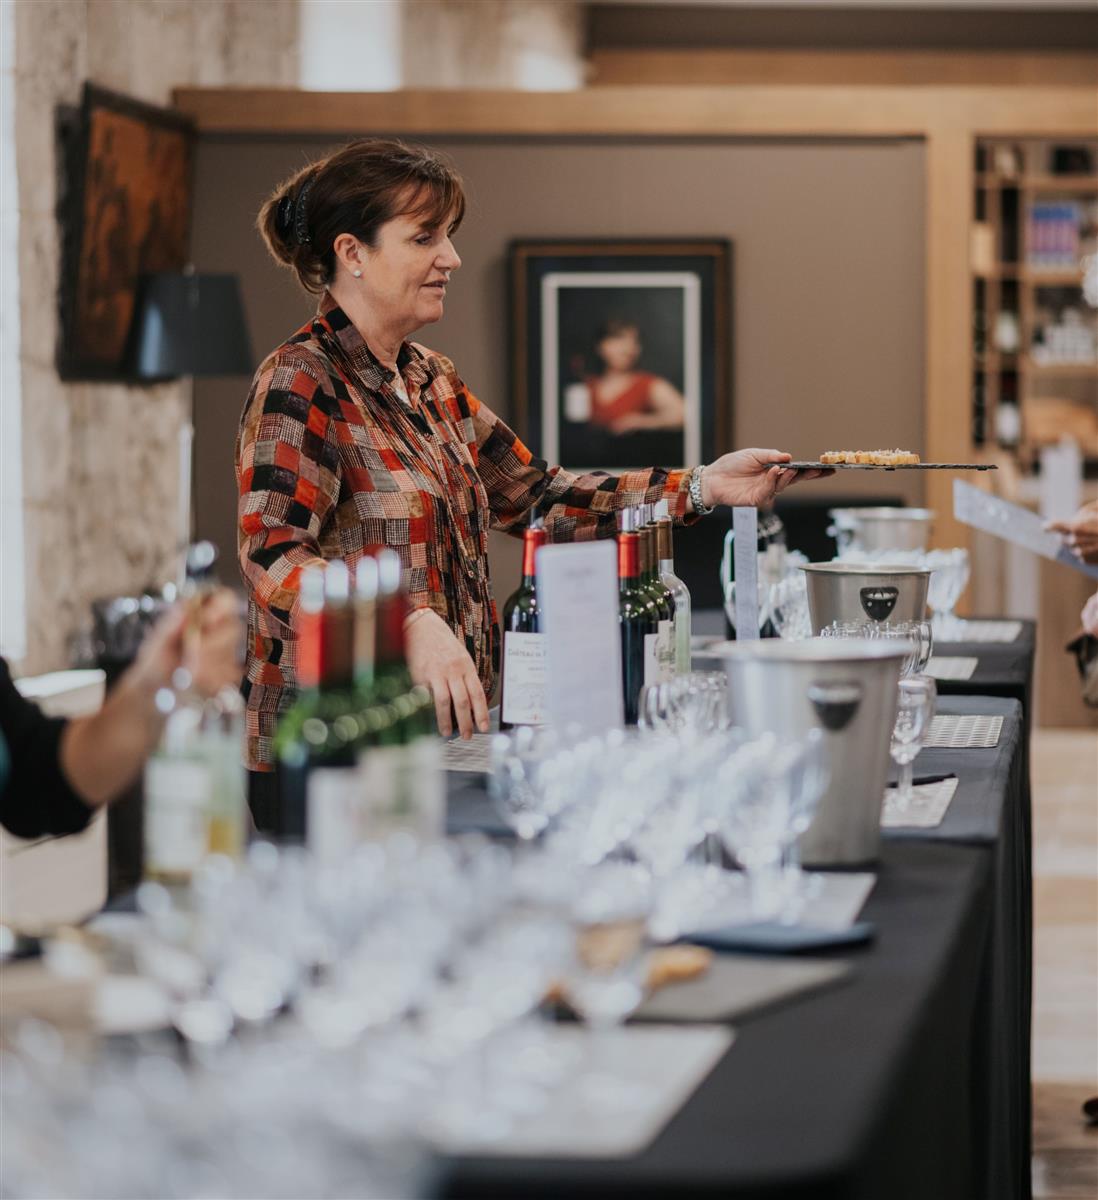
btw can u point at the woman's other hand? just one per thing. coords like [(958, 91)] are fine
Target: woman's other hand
[(439, 661), (750, 478), (1080, 534)]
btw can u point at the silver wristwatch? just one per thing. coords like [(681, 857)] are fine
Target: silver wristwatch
[(694, 488)]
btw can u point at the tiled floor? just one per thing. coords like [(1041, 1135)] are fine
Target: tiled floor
[(1065, 993)]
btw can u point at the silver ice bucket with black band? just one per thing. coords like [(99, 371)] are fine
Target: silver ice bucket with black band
[(870, 530), (840, 591), (847, 688)]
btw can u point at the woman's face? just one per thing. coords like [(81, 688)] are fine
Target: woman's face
[(621, 350), (404, 276)]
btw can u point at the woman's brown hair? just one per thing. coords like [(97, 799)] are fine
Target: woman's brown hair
[(355, 190)]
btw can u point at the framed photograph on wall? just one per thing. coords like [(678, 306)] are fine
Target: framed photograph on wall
[(125, 212), (621, 351)]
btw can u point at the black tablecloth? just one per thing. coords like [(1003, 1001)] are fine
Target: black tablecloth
[(908, 1083)]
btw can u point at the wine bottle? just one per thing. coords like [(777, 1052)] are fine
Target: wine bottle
[(522, 680), (179, 777), (399, 752), (636, 618), (680, 594), (663, 667), (314, 741)]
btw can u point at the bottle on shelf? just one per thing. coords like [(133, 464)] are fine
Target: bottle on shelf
[(662, 664), (315, 739), (522, 679), (637, 616), (680, 594), (194, 783), (399, 753)]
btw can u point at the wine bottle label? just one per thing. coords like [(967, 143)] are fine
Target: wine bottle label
[(666, 637), (403, 790), (333, 805), (652, 664), (176, 792), (524, 678)]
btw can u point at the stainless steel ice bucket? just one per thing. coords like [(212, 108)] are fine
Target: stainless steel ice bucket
[(847, 688), (853, 592), (874, 529)]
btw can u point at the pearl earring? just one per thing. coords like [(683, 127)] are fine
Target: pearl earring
[(357, 274)]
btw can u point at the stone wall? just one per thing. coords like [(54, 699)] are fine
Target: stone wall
[(100, 470), (534, 45)]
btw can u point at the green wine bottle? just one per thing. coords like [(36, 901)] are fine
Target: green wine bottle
[(522, 678), (314, 741)]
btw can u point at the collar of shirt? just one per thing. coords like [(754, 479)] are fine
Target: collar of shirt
[(410, 361)]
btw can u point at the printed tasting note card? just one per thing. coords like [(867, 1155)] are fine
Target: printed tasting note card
[(578, 598)]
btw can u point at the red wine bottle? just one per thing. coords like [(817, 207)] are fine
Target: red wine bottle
[(522, 681), (637, 620), (313, 744)]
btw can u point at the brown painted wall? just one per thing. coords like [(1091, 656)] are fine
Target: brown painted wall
[(828, 342)]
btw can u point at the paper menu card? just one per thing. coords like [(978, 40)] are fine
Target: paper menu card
[(1014, 524), (745, 556), (578, 602)]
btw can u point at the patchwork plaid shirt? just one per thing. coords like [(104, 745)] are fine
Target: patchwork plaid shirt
[(331, 462)]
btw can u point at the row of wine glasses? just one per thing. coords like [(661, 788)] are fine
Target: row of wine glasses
[(662, 795), (919, 635)]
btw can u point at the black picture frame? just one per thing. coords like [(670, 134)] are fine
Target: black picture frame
[(125, 211), (663, 305)]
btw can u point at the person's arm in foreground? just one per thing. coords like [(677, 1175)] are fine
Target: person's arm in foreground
[(61, 770), (103, 753)]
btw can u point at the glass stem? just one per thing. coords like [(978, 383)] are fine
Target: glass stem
[(906, 788)]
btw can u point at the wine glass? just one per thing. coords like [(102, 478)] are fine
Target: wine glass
[(949, 577), (807, 777), (788, 604), (754, 818), (914, 712), (519, 783), (605, 981)]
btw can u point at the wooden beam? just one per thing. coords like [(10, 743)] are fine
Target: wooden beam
[(920, 68), (713, 111)]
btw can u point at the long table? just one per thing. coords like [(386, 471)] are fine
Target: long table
[(906, 1083)]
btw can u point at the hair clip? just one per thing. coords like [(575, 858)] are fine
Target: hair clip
[(284, 216), (301, 217)]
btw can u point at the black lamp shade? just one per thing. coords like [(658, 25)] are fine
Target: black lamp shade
[(190, 324)]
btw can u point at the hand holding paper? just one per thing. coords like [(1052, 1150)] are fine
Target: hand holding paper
[(1080, 533)]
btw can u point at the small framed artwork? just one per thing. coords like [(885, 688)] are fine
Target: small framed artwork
[(125, 212), (621, 351)]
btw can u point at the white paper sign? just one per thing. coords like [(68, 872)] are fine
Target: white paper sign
[(1014, 524), (745, 557), (578, 601)]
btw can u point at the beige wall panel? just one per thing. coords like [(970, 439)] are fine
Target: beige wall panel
[(827, 327)]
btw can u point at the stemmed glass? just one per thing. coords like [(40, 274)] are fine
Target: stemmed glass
[(788, 604), (915, 710), (520, 784), (606, 979), (949, 577), (807, 776), (753, 817)]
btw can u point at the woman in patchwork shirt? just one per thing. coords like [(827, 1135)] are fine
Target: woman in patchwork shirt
[(354, 437)]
